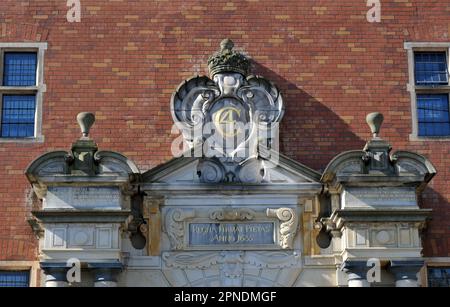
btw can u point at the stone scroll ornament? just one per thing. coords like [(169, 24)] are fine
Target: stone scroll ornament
[(175, 226), (288, 227), (228, 119)]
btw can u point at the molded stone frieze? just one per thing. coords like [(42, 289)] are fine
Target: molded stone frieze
[(231, 268), (288, 227), (190, 260), (273, 259)]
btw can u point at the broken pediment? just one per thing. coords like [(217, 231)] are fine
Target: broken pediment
[(83, 164), (376, 166)]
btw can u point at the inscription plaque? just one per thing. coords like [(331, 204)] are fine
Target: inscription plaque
[(203, 234), (379, 197), (83, 198)]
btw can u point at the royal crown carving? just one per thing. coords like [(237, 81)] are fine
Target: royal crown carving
[(228, 60)]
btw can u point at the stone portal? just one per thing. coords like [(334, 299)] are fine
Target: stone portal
[(230, 210)]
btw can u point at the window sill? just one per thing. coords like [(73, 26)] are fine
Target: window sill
[(38, 139), (416, 138)]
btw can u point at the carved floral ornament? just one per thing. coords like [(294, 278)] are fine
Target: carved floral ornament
[(225, 119)]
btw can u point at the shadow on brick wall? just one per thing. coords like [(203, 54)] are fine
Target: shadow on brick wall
[(310, 132), (436, 237)]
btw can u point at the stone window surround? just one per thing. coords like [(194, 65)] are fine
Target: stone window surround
[(31, 266), (413, 89), (39, 89)]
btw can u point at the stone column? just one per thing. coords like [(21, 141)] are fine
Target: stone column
[(56, 274), (105, 274), (357, 273), (405, 272)]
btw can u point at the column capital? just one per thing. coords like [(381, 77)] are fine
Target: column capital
[(55, 273), (357, 272), (355, 267)]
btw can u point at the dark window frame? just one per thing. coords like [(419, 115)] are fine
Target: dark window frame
[(38, 89), (436, 267), (20, 283), (430, 89), (424, 71), (17, 90)]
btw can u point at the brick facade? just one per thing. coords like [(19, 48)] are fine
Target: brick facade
[(125, 58)]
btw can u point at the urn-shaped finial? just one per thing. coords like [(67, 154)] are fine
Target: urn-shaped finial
[(226, 45), (85, 120), (374, 120)]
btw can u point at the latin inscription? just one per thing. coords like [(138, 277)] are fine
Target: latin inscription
[(382, 196), (231, 234)]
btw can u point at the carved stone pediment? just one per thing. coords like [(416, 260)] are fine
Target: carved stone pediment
[(375, 166), (83, 165)]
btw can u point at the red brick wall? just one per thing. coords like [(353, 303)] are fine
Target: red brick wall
[(125, 57)]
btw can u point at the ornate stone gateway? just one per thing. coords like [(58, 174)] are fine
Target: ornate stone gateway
[(232, 210)]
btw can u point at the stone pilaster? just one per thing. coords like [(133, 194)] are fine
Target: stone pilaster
[(405, 272), (356, 272), (105, 274)]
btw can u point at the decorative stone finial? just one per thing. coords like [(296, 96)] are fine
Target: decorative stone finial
[(228, 60), (85, 120), (226, 45), (374, 120)]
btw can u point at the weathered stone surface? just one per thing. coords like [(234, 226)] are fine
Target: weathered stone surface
[(106, 198), (373, 197)]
